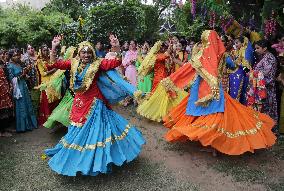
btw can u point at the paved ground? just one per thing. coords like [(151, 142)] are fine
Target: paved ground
[(161, 166)]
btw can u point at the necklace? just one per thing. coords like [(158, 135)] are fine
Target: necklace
[(81, 67)]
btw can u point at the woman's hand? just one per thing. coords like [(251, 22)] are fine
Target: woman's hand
[(56, 41), (114, 42)]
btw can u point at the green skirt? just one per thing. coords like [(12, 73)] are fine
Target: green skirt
[(61, 112), (145, 85)]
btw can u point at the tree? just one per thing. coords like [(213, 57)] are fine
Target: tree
[(22, 25), (129, 20), (73, 8)]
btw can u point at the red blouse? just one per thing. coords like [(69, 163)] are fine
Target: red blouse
[(160, 70), (84, 101)]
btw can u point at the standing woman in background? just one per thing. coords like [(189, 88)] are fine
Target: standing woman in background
[(6, 104), (129, 63), (144, 84), (267, 65), (25, 117)]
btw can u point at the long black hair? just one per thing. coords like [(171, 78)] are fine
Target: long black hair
[(11, 52), (266, 44)]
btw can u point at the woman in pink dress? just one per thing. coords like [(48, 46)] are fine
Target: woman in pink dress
[(129, 63)]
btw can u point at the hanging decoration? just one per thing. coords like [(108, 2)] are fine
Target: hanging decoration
[(80, 34), (212, 21), (251, 23), (193, 8), (270, 26)]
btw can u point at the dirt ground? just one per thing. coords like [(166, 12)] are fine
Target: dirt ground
[(161, 165)]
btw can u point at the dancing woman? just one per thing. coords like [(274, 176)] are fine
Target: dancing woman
[(49, 96), (208, 114), (62, 112), (238, 79), (156, 60), (97, 137)]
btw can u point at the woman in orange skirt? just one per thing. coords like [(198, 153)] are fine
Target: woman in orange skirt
[(208, 114)]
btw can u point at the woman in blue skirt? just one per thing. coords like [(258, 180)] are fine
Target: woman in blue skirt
[(97, 137)]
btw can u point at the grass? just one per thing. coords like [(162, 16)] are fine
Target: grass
[(276, 186), (242, 171), (23, 169), (278, 149)]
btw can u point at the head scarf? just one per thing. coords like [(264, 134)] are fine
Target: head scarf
[(87, 44), (205, 62)]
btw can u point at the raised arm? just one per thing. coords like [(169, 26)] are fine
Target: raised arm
[(114, 60), (60, 64), (109, 64)]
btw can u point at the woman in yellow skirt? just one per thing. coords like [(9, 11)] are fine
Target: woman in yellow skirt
[(156, 60)]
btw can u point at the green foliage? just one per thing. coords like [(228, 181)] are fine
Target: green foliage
[(130, 20), (219, 7), (183, 19), (73, 8), (23, 25)]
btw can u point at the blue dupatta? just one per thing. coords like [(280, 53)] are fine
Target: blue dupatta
[(114, 87)]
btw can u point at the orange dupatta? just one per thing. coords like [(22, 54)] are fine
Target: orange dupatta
[(204, 63)]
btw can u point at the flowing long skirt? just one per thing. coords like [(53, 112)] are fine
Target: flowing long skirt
[(25, 117), (238, 130), (145, 85), (104, 140), (61, 112), (159, 104)]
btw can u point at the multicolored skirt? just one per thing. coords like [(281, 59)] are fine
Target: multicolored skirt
[(104, 140), (61, 112), (238, 130)]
